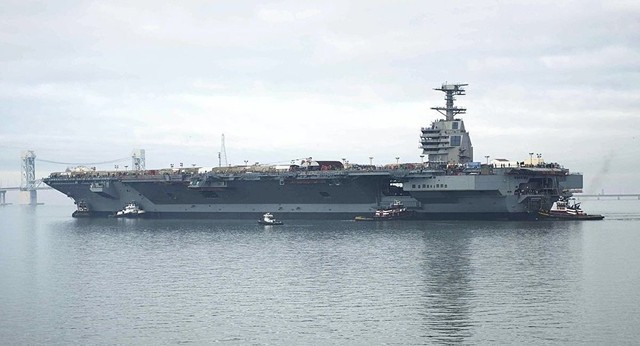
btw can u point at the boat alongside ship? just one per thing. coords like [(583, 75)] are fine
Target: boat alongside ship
[(395, 211), (131, 210), (269, 220), (567, 209), (450, 185)]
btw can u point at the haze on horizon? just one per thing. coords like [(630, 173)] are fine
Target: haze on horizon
[(85, 82)]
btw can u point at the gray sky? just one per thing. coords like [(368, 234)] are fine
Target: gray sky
[(86, 82)]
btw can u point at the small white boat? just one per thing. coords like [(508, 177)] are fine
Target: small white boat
[(268, 219), (394, 211), (130, 210)]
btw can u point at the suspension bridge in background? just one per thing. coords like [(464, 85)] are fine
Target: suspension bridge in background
[(605, 196), (30, 186)]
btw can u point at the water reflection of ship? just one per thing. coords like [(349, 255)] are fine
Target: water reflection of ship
[(476, 278), (448, 288)]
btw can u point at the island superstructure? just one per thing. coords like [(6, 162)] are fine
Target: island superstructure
[(446, 141), (449, 185)]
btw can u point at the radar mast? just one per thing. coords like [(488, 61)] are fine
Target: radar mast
[(450, 111)]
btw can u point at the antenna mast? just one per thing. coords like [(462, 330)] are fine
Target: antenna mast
[(450, 111)]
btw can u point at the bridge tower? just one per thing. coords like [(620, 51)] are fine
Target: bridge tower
[(138, 160), (222, 154), (28, 181)]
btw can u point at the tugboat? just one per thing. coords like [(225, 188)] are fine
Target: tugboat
[(268, 219), (565, 209), (130, 210), (395, 211)]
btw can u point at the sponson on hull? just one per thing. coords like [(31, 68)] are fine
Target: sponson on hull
[(450, 184)]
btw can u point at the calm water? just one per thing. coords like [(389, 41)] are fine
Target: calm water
[(113, 281)]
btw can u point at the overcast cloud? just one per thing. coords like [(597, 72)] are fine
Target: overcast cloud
[(86, 82)]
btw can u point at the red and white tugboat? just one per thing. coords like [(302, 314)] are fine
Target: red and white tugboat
[(395, 211), (568, 209)]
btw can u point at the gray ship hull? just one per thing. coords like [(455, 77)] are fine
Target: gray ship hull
[(330, 195)]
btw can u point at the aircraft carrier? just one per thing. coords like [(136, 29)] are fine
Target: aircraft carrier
[(448, 185)]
